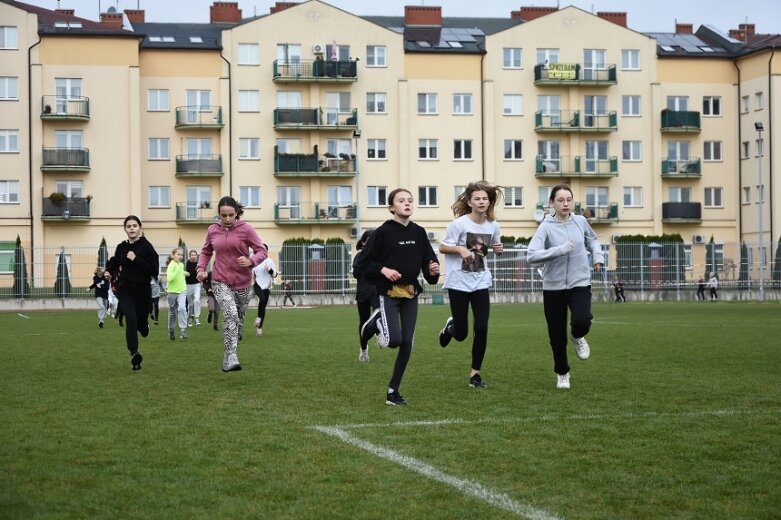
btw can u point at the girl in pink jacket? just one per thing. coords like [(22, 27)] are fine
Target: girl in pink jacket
[(236, 248)]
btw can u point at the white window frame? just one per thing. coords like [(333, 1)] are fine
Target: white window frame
[(377, 196), (679, 194), (427, 103), (9, 88), (746, 191), (630, 106), (744, 104), (633, 196), (376, 56), (512, 58), (376, 149), (9, 192), (9, 141), (712, 151), (376, 103), (70, 188), (759, 100), (634, 149), (630, 59), (546, 56), (713, 197), (249, 101), (248, 54), (159, 149), (512, 104), (159, 197), (9, 37), (511, 146), (711, 106), (462, 104), (158, 100), (513, 197), (428, 149), (249, 148), (427, 196), (249, 196), (745, 149), (462, 150)]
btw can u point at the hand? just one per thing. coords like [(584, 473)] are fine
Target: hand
[(131, 255), (569, 246), (201, 276), (433, 268), (598, 267), (390, 274), (243, 261), (498, 248), (107, 275)]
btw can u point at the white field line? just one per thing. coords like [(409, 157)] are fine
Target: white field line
[(22, 316), (466, 487)]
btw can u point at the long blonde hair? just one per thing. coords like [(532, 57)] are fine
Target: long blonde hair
[(461, 206)]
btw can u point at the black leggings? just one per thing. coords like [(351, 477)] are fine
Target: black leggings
[(399, 317), (134, 303), (481, 309), (556, 303), (263, 296)]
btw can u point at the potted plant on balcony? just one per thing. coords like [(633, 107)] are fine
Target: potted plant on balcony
[(57, 198)]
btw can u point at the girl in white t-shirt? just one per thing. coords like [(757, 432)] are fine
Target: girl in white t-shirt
[(465, 246)]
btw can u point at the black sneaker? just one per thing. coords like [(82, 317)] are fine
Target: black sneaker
[(395, 399), (100, 324), (136, 359), (477, 382), (444, 335), (171, 335), (369, 328)]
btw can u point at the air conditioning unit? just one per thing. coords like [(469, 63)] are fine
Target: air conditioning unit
[(353, 232), (698, 239), (614, 238), (318, 48), (432, 235)]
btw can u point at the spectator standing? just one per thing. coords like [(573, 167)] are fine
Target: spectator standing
[(287, 288), (618, 288), (701, 290), (713, 286)]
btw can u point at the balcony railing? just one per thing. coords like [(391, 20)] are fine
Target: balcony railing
[(681, 212), (315, 213), (196, 212), (575, 166), (598, 214), (574, 74), (65, 159), (574, 121), (681, 168), (72, 208), (315, 70), (313, 164), (199, 166), (197, 116), (680, 121), (319, 118), (74, 108)]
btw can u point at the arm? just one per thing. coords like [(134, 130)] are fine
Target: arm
[(259, 252), (538, 254), (594, 247), (205, 257), (430, 264)]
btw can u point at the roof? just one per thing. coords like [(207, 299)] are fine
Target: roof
[(675, 44), (188, 36), (56, 23)]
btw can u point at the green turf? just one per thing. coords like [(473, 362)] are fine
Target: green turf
[(676, 415)]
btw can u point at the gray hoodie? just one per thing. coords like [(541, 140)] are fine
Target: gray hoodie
[(565, 267)]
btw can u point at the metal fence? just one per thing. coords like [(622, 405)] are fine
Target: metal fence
[(66, 271)]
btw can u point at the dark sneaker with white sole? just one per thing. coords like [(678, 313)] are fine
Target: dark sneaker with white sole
[(135, 359), (369, 328), (395, 399), (444, 335), (477, 382)]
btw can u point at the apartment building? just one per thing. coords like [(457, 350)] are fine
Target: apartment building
[(310, 115)]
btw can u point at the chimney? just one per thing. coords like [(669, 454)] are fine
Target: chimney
[(422, 15), (70, 12), (737, 34), (224, 12), (748, 28), (615, 17), (114, 20), (530, 13), (684, 28), (135, 15), (281, 6)]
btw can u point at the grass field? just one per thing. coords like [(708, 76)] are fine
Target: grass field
[(675, 415)]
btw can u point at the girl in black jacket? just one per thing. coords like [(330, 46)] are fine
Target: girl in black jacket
[(365, 296), (133, 265)]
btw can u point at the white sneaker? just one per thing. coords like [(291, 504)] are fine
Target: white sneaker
[(257, 323), (581, 347), (382, 338), (231, 363), (563, 381), (363, 355), (258, 332)]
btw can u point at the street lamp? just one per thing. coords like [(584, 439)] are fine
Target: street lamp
[(761, 202), (356, 136)]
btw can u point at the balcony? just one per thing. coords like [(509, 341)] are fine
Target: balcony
[(315, 119), (72, 209), (682, 122), (196, 212), (315, 213), (65, 108), (199, 166), (574, 121), (690, 168), (65, 160), (681, 213), (198, 117), (602, 214), (574, 74), (318, 70), (313, 165), (569, 166)]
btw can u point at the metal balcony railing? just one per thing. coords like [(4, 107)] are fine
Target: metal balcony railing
[(65, 108), (318, 118), (328, 165), (681, 212), (315, 70), (198, 116), (681, 168), (575, 74), (199, 165), (315, 213), (680, 121), (196, 212), (575, 166), (598, 214), (65, 159), (72, 208), (574, 121)]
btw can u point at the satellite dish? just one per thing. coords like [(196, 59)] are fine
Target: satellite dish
[(539, 215), (111, 10)]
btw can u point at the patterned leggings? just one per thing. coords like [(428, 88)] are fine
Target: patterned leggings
[(234, 306)]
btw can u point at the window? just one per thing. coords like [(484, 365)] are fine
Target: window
[(513, 149), (596, 197), (196, 39), (546, 56), (630, 105), (513, 105), (8, 37), (630, 150), (249, 196), (713, 198), (759, 101), (513, 58), (376, 149), (197, 196), (249, 101), (678, 103), (338, 147), (594, 61), (679, 194), (549, 154), (458, 190), (289, 54), (157, 100), (633, 197), (427, 196), (427, 149), (289, 202), (198, 100), (630, 59), (745, 149), (596, 156), (513, 197), (339, 197), (159, 149), (288, 99), (760, 144), (9, 141), (687, 257), (376, 102), (462, 149), (159, 196), (9, 192), (712, 151), (462, 103), (70, 188), (337, 52), (288, 145), (427, 103), (595, 110), (249, 148), (746, 195), (336, 103), (9, 88), (711, 106), (68, 138), (249, 54), (377, 195), (550, 108), (375, 56), (198, 148), (744, 105)]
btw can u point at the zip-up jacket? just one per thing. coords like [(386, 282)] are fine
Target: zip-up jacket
[(227, 245), (134, 273), (403, 248), (174, 274), (562, 268)]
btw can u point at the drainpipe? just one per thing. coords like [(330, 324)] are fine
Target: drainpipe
[(482, 118), (30, 147), (769, 148), (230, 125), (740, 161)]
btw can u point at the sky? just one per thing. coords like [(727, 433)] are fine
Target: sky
[(642, 15)]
